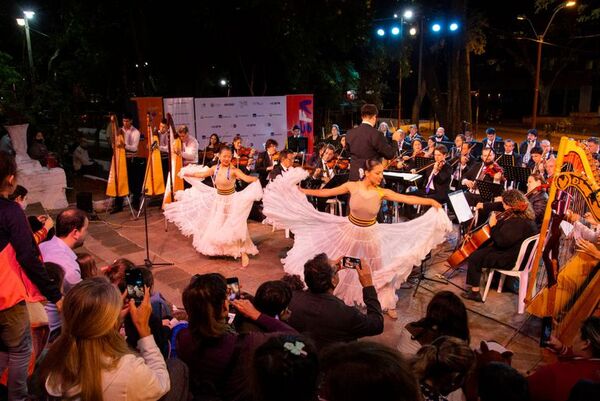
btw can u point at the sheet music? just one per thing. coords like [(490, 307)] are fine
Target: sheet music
[(405, 176), (461, 206)]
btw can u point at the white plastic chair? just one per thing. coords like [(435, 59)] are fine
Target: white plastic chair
[(522, 275), (335, 206)]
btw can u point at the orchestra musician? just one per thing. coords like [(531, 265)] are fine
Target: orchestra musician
[(440, 136), (243, 158), (365, 142), (324, 172), (334, 137), (507, 235), (457, 149), (509, 156), (210, 154), (286, 161), (546, 149), (266, 161), (530, 143), (491, 138), (593, 145), (316, 156), (485, 170), (431, 144), (413, 134), (436, 178), (343, 154), (536, 160), (458, 170), (163, 146), (136, 166), (408, 162), (189, 148)]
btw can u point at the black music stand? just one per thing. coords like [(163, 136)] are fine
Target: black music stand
[(298, 145), (423, 277), (498, 147), (421, 162), (489, 190), (517, 174), (506, 160)]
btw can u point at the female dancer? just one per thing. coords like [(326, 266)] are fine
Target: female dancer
[(216, 217), (390, 249)]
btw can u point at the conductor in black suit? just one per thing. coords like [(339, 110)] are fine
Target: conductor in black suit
[(365, 142)]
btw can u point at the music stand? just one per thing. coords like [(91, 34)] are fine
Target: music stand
[(421, 162), (489, 190), (423, 277), (498, 147), (506, 160), (297, 145), (476, 149), (517, 174)]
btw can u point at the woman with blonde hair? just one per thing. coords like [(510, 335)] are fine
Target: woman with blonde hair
[(90, 360)]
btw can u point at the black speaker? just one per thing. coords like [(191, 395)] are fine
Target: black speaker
[(84, 202)]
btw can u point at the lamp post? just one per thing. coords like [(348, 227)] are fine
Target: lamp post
[(225, 83), (540, 42), (24, 22), (406, 16)]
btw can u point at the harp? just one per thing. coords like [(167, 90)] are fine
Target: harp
[(117, 179), (174, 182), (154, 183), (564, 283)]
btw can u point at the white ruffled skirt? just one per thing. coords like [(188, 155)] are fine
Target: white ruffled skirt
[(390, 249), (217, 223)]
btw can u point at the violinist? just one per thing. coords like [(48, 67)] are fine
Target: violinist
[(507, 235), (457, 149), (436, 178), (323, 174), (459, 167), (334, 137), (485, 170), (343, 154), (536, 160), (267, 161), (408, 162), (210, 154), (509, 157), (431, 144), (547, 152), (286, 161)]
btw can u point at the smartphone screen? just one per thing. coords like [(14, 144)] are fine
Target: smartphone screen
[(233, 288), (350, 263), (135, 285), (546, 331)]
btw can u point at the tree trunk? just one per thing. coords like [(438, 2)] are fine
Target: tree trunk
[(465, 87), (416, 107), (452, 124)]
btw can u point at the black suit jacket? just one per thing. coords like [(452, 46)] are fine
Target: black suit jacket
[(485, 141), (471, 173), (328, 320), (441, 181), (263, 161), (277, 170), (507, 237), (364, 143), (523, 146)]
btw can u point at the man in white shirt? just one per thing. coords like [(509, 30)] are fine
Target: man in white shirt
[(189, 145), (136, 166)]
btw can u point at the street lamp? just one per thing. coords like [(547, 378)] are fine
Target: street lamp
[(540, 42), (407, 15), (25, 23), (225, 83)]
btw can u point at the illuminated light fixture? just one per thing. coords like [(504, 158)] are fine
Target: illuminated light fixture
[(570, 3), (20, 21), (408, 14), (436, 27), (380, 32), (30, 14), (521, 17), (395, 15), (412, 31), (453, 26), (223, 82), (395, 31)]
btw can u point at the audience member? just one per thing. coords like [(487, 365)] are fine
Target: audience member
[(38, 150), (501, 382), (365, 370), (442, 367), (294, 281), (57, 274), (272, 298), (585, 390), (325, 318), (71, 230), (87, 265), (160, 307), (82, 162), (446, 316), (216, 356), (115, 272), (40, 225), (581, 361), (285, 368), (22, 277), (90, 360)]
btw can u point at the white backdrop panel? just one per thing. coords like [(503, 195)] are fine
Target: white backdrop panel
[(182, 110), (255, 119)]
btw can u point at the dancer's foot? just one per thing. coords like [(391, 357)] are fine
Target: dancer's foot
[(245, 259), (392, 313)]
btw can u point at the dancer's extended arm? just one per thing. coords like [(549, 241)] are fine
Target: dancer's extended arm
[(327, 192), (244, 177), (409, 199), (201, 174)]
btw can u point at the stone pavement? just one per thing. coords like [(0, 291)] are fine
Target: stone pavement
[(119, 235)]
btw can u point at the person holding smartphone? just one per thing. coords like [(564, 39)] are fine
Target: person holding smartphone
[(391, 250), (318, 313)]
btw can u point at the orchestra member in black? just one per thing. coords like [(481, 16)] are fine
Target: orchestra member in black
[(324, 172), (212, 151), (510, 157), (436, 178), (491, 138), (413, 134), (334, 137), (507, 235), (286, 161), (343, 153), (530, 143), (366, 143), (440, 135), (536, 160), (265, 162), (485, 170)]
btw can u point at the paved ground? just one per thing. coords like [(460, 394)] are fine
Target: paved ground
[(119, 235)]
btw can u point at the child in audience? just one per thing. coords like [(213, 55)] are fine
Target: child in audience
[(87, 264), (272, 298)]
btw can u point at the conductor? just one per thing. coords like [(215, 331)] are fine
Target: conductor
[(365, 142)]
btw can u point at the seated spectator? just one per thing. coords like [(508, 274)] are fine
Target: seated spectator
[(585, 390), (57, 274), (83, 163), (285, 368), (216, 356), (160, 308), (446, 316), (87, 265), (90, 359), (272, 298), (442, 367), (22, 277), (40, 225), (71, 231), (325, 318), (115, 272), (38, 150), (501, 382), (293, 281), (581, 361), (362, 371)]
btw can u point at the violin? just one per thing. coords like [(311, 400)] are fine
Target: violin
[(339, 163), (492, 170), (243, 157)]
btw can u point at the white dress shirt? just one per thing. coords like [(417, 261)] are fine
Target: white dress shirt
[(189, 151), (56, 251), (132, 139)]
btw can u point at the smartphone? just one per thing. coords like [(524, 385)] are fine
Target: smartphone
[(546, 331), (350, 263), (135, 285), (233, 288)]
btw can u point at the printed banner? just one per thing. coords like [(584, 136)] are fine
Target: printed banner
[(154, 106), (182, 110), (299, 111), (255, 119)]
